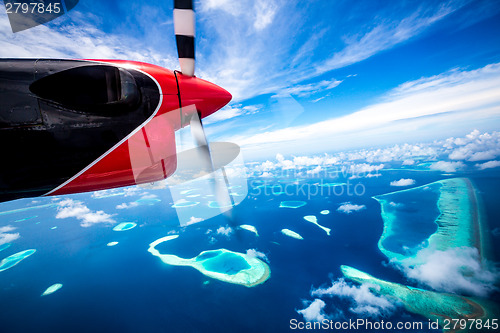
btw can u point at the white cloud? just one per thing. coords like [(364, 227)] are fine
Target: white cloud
[(315, 171), (148, 196), (70, 208), (483, 155), (127, 205), (309, 89), (78, 39), (456, 270), (475, 146), (265, 11), (228, 6), (126, 192), (226, 231), (6, 236), (230, 112), (364, 170), (133, 204), (194, 220), (253, 253), (403, 182), (381, 37), (238, 60), (488, 165), (131, 191), (449, 98), (314, 311), (342, 161), (364, 302), (349, 208), (447, 166), (240, 65), (358, 163)]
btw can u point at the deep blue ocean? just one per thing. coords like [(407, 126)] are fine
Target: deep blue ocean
[(126, 289)]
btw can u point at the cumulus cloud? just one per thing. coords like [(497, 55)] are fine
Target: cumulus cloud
[(403, 182), (456, 270), (6, 236), (127, 205), (315, 171), (71, 208), (363, 301), (326, 164), (314, 311), (447, 166), (226, 231), (364, 170), (145, 196), (474, 147), (253, 253), (194, 220), (442, 155), (488, 165), (348, 208), (483, 155)]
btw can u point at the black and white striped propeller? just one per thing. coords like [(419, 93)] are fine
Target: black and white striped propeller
[(184, 27)]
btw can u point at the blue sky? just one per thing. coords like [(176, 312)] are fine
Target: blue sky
[(308, 76)]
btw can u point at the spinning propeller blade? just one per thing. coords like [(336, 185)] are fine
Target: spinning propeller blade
[(220, 186)]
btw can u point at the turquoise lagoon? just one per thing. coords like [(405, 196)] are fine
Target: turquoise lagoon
[(441, 215), (221, 264), (432, 305)]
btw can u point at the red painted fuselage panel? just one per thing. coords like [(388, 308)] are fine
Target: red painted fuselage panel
[(148, 153)]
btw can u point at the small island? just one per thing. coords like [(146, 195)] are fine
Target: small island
[(223, 265), (291, 233), (250, 228), (292, 204), (52, 289), (14, 259), (183, 203), (125, 226), (314, 220)]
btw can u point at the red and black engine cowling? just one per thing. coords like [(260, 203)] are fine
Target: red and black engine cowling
[(69, 126)]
